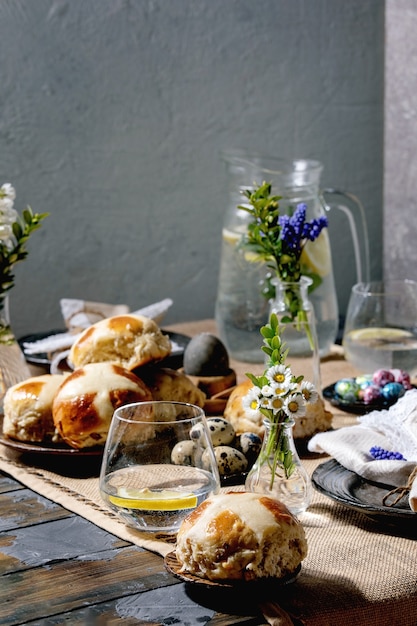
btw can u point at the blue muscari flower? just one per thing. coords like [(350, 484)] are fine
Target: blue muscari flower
[(294, 229)]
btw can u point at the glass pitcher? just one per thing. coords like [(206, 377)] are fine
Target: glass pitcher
[(244, 287)]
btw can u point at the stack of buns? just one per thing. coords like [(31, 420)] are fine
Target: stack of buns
[(240, 536), (115, 363)]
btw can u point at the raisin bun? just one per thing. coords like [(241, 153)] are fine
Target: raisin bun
[(85, 402), (28, 409), (317, 418), (168, 384), (127, 340), (240, 536)]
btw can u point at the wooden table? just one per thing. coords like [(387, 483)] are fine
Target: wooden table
[(57, 567)]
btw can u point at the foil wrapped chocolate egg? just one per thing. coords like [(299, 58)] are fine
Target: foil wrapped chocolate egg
[(392, 391), (347, 389)]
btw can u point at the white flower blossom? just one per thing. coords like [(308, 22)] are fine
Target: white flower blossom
[(250, 402), (309, 392), (6, 232), (8, 191), (294, 405), (279, 375)]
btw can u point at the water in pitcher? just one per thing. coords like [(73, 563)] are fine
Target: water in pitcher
[(241, 307)]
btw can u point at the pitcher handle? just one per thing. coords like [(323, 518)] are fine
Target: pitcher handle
[(361, 256)]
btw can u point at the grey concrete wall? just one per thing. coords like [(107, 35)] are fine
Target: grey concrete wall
[(114, 113), (400, 176)]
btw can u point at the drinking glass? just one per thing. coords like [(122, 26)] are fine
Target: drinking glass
[(381, 326), (158, 464)]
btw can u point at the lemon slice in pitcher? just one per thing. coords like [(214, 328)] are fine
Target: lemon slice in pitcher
[(148, 500), (316, 255), (233, 238)]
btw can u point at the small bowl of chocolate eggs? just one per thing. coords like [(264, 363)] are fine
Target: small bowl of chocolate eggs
[(369, 392)]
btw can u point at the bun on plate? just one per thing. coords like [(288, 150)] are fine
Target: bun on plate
[(85, 402), (240, 536), (168, 384), (317, 419), (28, 409), (127, 340)]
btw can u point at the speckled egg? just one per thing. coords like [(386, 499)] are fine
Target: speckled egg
[(221, 431), (183, 453), (198, 433), (250, 444), (229, 460)]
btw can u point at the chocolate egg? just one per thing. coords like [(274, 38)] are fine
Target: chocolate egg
[(392, 391), (348, 389)]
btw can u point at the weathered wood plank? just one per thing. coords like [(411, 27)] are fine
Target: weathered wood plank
[(66, 538), (74, 584), (7, 483), (23, 507)]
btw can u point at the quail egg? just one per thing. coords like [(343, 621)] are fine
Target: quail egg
[(183, 452), (229, 460), (221, 431), (250, 444)]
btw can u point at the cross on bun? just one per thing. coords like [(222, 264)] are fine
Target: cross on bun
[(85, 402), (127, 340), (240, 536)]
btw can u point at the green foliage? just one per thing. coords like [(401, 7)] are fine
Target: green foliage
[(11, 252)]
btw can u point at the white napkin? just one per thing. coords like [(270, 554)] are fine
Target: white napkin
[(80, 314), (392, 429)]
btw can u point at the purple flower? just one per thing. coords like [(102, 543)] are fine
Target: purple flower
[(295, 230)]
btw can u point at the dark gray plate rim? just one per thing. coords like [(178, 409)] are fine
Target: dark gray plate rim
[(344, 486), (174, 360)]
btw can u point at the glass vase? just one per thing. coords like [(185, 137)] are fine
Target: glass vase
[(298, 328), (13, 366), (278, 471)]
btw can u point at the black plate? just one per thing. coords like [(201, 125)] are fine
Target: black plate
[(47, 449), (358, 407), (173, 361), (351, 490)]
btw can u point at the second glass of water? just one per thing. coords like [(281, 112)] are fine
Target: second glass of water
[(158, 464), (381, 326)]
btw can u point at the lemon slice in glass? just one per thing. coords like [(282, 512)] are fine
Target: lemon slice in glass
[(149, 500), (316, 255), (379, 335)]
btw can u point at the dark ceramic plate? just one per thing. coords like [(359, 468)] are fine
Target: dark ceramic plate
[(174, 360), (358, 407), (46, 448), (349, 489), (173, 566)]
